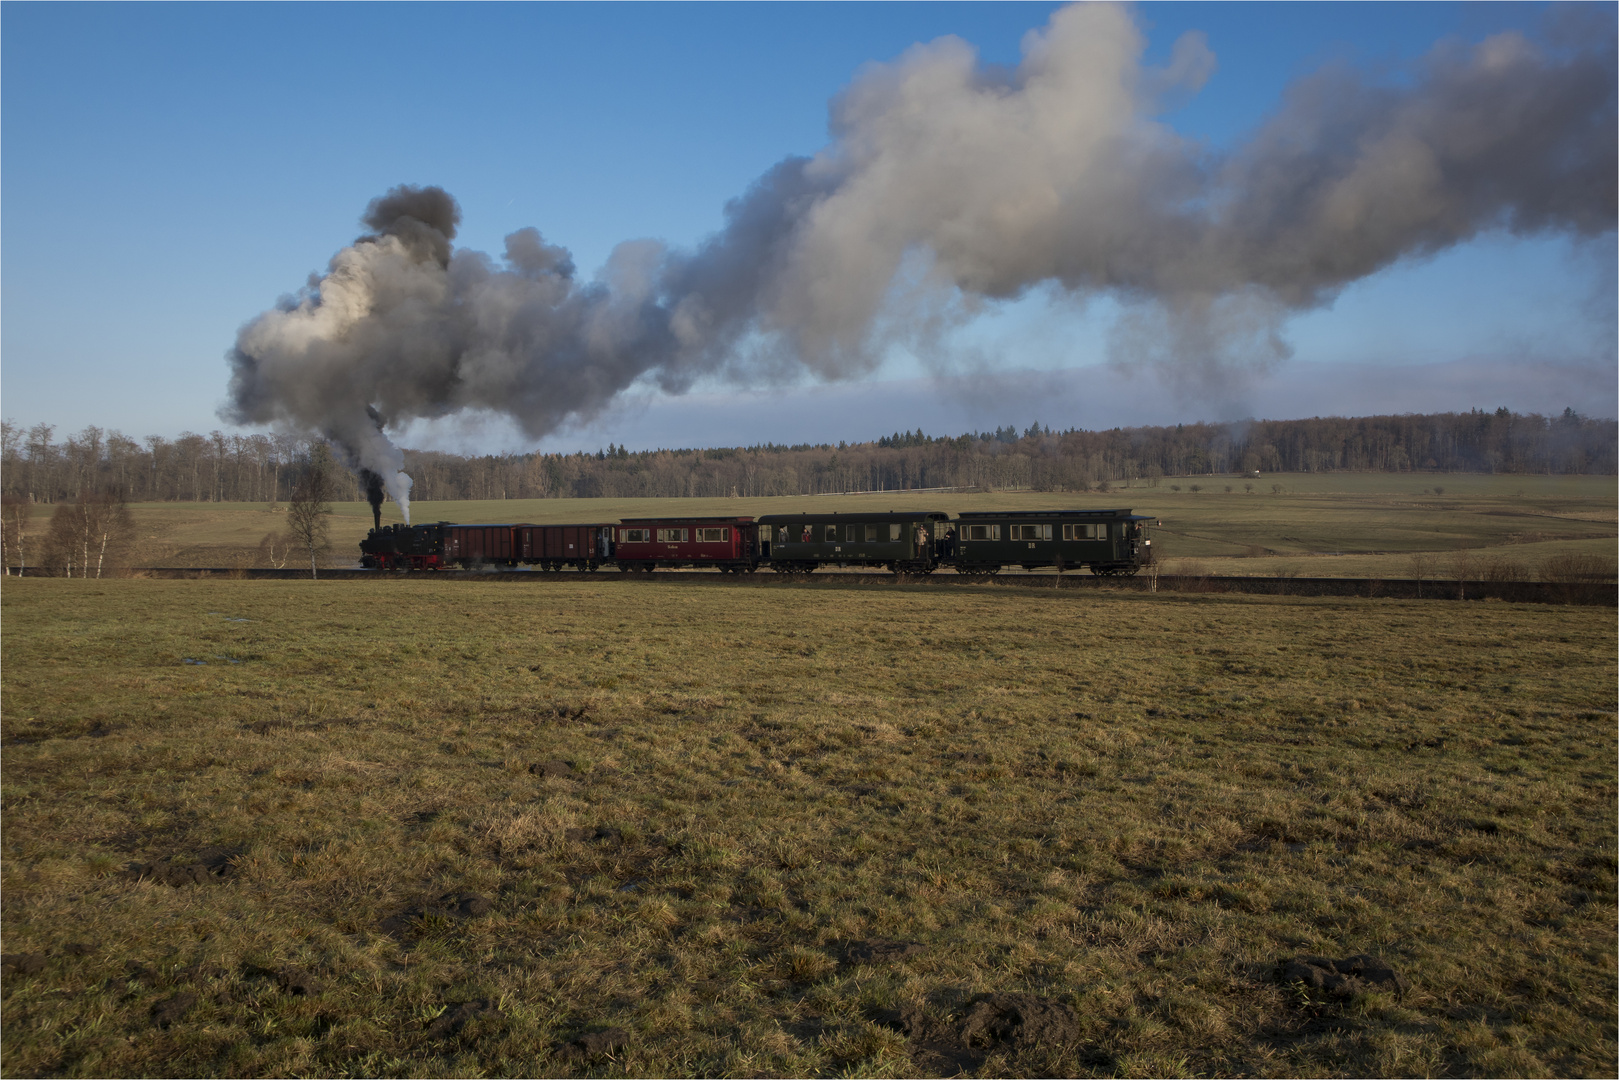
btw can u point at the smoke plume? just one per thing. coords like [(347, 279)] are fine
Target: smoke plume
[(946, 184)]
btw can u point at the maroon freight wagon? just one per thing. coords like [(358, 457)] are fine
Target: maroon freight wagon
[(730, 544), (552, 547), (477, 545)]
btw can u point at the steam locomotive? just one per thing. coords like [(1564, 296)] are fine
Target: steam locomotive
[(1107, 542)]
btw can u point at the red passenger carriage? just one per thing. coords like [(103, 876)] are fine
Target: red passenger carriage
[(730, 544)]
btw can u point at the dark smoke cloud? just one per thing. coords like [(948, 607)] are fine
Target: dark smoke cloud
[(947, 184)]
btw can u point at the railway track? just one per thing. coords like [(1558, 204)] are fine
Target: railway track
[(1602, 594)]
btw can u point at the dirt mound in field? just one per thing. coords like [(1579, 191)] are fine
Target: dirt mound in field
[(1341, 978), (595, 1044), (291, 980), (1019, 1021), (172, 1009), (28, 963), (459, 905), (943, 1044), (881, 952), (454, 1019), (207, 867)]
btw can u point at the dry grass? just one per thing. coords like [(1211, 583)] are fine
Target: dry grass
[(689, 809)]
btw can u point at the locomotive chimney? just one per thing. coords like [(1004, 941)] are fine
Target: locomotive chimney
[(374, 495)]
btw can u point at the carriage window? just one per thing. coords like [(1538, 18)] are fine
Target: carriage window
[(831, 534), (1031, 532), (781, 535), (871, 534), (851, 534), (1045, 532), (976, 532), (634, 536), (713, 536), (673, 536), (893, 532)]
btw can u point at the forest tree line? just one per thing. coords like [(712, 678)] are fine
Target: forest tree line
[(38, 468)]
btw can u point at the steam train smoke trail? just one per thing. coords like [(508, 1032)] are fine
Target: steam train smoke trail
[(947, 183)]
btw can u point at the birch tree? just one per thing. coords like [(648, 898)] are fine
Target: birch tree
[(311, 505)]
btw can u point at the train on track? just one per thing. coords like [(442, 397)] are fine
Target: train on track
[(1107, 542)]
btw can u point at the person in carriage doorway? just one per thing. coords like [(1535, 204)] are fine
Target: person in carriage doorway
[(947, 543)]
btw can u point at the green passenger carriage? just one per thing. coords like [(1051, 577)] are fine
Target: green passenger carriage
[(905, 542), (1110, 542)]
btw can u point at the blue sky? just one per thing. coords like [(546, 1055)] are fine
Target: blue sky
[(168, 171)]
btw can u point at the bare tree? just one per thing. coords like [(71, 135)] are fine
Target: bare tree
[(276, 549), (311, 505), (15, 510), (1422, 565), (89, 532), (1461, 568)]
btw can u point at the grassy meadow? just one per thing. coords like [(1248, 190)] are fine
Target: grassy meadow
[(460, 828), (1317, 525)]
